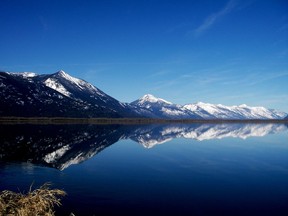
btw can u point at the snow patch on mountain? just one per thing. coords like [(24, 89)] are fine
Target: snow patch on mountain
[(52, 83), (81, 84), (23, 74), (173, 112), (148, 98)]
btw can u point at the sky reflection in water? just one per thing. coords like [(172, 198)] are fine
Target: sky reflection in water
[(218, 175)]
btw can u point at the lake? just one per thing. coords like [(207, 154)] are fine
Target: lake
[(153, 169)]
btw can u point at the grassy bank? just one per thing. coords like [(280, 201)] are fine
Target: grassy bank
[(40, 201)]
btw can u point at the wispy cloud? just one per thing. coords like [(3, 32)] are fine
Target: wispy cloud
[(253, 78), (258, 77), (165, 84), (213, 18), (159, 73)]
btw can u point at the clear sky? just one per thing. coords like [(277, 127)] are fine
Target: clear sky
[(216, 51)]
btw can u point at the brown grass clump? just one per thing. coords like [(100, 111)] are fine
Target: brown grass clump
[(37, 202)]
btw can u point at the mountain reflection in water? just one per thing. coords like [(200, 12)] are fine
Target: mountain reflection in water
[(59, 146)]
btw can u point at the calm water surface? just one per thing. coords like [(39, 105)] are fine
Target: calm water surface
[(196, 169)]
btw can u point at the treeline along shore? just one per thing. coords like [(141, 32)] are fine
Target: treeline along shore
[(62, 120)]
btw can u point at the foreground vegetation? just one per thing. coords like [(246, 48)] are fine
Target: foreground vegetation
[(40, 201)]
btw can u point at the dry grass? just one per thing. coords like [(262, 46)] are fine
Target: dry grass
[(37, 202)]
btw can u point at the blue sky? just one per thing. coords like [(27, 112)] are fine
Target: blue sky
[(225, 52)]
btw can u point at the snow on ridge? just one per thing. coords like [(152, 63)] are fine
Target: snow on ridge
[(23, 74), (233, 112), (172, 112), (28, 74), (81, 84), (151, 98), (52, 83), (242, 106), (206, 110)]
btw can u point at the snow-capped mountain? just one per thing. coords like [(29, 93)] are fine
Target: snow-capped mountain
[(160, 108), (83, 91), (164, 109), (212, 111), (58, 94), (61, 95)]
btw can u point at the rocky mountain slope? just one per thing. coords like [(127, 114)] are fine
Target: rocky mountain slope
[(56, 95)]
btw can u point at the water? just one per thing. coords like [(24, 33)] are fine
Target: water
[(196, 169)]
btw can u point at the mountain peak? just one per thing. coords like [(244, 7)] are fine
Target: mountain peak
[(152, 99), (66, 76), (149, 97), (243, 106), (62, 73), (201, 103)]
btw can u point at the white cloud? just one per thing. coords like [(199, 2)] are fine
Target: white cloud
[(210, 20)]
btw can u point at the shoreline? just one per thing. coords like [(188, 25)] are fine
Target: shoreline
[(68, 120)]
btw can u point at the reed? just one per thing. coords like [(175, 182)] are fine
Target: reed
[(40, 201)]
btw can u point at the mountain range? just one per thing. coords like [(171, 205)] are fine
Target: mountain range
[(61, 95)]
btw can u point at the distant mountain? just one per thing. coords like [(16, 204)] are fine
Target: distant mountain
[(163, 109), (212, 111), (57, 95), (61, 95), (160, 108)]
